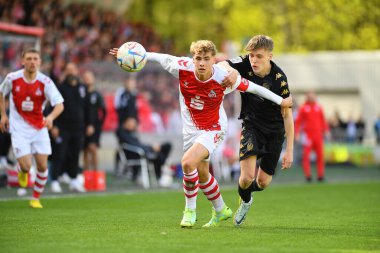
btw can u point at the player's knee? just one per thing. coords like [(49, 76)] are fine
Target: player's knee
[(263, 182), (187, 165), (245, 181), (25, 165)]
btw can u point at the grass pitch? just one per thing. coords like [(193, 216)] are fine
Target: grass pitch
[(285, 218)]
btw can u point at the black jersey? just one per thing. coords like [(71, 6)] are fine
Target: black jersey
[(97, 109), (255, 110)]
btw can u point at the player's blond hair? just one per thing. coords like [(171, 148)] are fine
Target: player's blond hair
[(203, 46), (260, 41)]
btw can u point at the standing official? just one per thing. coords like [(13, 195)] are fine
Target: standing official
[(311, 122)]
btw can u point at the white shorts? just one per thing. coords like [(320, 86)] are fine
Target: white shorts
[(209, 139), (38, 143)]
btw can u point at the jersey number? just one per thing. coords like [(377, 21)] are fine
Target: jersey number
[(197, 104)]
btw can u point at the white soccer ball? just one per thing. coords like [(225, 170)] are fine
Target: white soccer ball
[(131, 56)]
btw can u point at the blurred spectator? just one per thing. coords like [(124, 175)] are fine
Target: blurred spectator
[(311, 122), (5, 141), (377, 130), (351, 130), (97, 115), (360, 127), (125, 103), (68, 133), (337, 128)]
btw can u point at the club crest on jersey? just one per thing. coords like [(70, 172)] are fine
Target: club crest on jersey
[(212, 94), (38, 92)]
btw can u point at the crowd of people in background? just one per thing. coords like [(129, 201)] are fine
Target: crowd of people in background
[(75, 32)]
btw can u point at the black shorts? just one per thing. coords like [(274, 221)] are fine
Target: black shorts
[(94, 138), (266, 147)]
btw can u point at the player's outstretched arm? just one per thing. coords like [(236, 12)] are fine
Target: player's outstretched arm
[(265, 93)]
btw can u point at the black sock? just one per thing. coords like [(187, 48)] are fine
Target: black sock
[(245, 194), (254, 187)]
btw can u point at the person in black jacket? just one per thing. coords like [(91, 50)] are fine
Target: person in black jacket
[(125, 104), (69, 131), (97, 115)]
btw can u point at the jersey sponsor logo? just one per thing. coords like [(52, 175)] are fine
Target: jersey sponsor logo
[(278, 75), (236, 60), (17, 88), (196, 103), (284, 92), (283, 83), (212, 94), (183, 63)]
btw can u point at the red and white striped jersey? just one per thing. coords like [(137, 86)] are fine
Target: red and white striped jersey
[(201, 101), (27, 100)]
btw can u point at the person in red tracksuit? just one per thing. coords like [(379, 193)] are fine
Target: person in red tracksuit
[(311, 122)]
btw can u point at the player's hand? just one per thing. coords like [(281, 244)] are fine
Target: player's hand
[(54, 132), (287, 160), (113, 51), (49, 122), (231, 78), (287, 102), (90, 130), (4, 123)]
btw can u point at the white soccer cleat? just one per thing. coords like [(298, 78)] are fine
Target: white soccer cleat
[(56, 187), (242, 212), (76, 186)]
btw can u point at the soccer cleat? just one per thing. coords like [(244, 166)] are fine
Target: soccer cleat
[(242, 211), (35, 203), (217, 217), (189, 218), (56, 187), (23, 179)]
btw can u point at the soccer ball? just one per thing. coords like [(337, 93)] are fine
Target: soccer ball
[(131, 56)]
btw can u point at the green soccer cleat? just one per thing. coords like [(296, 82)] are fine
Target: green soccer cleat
[(242, 212), (217, 217), (23, 179), (189, 218)]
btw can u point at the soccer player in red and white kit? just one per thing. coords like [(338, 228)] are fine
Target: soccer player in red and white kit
[(29, 90), (204, 121), (311, 121)]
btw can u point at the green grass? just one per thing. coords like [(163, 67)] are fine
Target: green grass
[(288, 218)]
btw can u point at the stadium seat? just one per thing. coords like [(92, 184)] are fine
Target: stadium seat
[(129, 156)]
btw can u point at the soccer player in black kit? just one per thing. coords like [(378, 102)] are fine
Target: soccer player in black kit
[(265, 126)]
